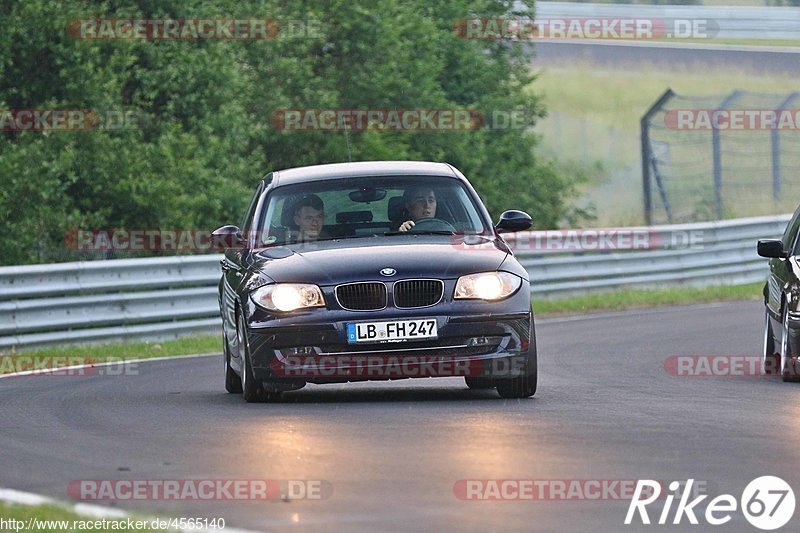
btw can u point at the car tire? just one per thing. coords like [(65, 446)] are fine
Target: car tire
[(233, 383), (523, 386), (772, 359), (252, 391), (476, 383), (788, 368)]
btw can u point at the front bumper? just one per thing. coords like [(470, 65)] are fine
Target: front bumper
[(471, 344)]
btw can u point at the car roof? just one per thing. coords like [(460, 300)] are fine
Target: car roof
[(360, 169)]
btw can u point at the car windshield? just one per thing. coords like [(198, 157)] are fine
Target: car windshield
[(368, 206)]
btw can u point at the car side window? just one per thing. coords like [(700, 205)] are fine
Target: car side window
[(247, 221), (790, 235)]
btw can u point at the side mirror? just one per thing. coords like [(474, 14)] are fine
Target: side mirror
[(772, 248), (227, 237), (511, 221)]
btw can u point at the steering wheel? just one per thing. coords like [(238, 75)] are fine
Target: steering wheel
[(432, 224)]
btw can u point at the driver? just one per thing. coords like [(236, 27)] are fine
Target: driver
[(420, 203), (309, 216)]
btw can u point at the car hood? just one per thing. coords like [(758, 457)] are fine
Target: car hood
[(331, 263)]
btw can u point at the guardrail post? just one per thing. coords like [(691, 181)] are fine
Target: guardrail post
[(776, 150), (662, 192), (647, 153), (717, 154)]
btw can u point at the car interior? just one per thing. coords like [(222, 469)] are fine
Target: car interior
[(342, 221)]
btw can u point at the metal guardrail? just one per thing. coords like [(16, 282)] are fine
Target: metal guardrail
[(152, 298), (725, 248), (164, 297), (765, 23)]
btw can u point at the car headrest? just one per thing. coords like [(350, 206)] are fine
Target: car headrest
[(287, 214), (397, 209), (353, 217)]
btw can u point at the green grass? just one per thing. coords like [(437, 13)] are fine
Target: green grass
[(594, 118), (640, 298), (619, 97), (61, 356), (52, 512), (136, 350)]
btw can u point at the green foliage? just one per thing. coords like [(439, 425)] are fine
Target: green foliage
[(203, 133)]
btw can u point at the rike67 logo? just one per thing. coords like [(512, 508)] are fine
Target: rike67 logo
[(767, 503)]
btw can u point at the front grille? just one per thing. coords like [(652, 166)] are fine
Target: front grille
[(362, 296), (417, 293)]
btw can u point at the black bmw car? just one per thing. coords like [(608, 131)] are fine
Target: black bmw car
[(782, 302), (373, 271)]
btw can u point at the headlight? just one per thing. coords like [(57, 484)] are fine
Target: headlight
[(288, 296), (487, 286)]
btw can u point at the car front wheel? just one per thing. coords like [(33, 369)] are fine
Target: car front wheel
[(788, 361), (233, 383), (252, 391), (772, 359), (522, 386)]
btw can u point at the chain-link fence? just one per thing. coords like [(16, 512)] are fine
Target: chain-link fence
[(721, 156)]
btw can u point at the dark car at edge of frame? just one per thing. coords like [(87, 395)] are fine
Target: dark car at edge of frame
[(781, 343)]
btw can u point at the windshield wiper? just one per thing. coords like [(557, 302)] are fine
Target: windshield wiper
[(428, 232)]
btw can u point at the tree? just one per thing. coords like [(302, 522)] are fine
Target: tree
[(202, 133)]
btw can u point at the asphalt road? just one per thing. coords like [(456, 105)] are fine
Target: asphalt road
[(606, 409), (622, 54)]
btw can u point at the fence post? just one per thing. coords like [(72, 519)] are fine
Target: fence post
[(716, 150), (647, 152), (662, 191), (776, 150)]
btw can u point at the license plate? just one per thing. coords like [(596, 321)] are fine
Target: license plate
[(396, 330)]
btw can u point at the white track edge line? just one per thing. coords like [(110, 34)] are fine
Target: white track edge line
[(39, 372)]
